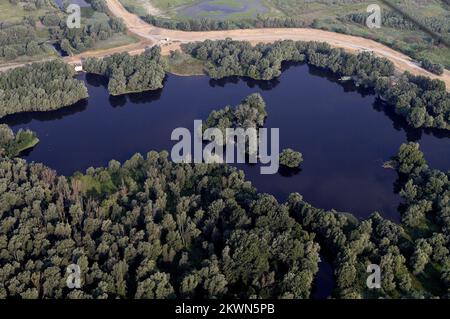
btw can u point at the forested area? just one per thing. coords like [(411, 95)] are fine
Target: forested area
[(413, 256), (19, 39), (263, 61), (13, 144), (148, 229), (421, 101), (206, 24), (127, 73), (39, 87), (94, 28), (154, 229), (73, 40)]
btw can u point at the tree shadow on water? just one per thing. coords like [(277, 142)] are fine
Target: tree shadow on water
[(45, 116), (251, 83), (289, 172), (400, 124)]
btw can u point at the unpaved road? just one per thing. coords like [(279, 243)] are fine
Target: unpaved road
[(347, 42), (171, 40)]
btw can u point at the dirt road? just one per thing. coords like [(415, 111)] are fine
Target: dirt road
[(172, 39), (347, 42)]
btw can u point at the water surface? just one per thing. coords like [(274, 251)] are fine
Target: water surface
[(345, 135)]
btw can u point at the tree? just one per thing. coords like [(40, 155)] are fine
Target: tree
[(39, 87), (157, 286), (410, 159), (421, 256), (291, 158), (130, 73)]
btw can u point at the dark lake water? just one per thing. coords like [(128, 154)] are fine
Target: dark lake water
[(345, 136)]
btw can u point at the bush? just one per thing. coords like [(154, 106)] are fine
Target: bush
[(291, 158), (435, 68)]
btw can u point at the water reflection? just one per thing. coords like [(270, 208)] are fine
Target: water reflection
[(29, 117), (345, 133)]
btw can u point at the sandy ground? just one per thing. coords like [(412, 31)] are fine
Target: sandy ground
[(171, 39)]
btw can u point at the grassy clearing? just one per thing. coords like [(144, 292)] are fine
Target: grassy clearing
[(180, 63), (50, 53), (136, 6), (27, 145), (13, 14), (171, 4), (429, 280), (116, 40), (93, 186)]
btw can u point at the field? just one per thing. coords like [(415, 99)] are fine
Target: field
[(323, 14), (180, 63), (14, 14)]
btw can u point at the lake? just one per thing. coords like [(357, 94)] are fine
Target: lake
[(345, 135)]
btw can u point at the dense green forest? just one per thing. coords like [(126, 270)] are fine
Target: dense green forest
[(73, 40), (96, 26), (39, 87), (148, 229), (421, 101), (130, 73), (263, 61), (205, 24), (20, 39), (13, 144), (154, 229)]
